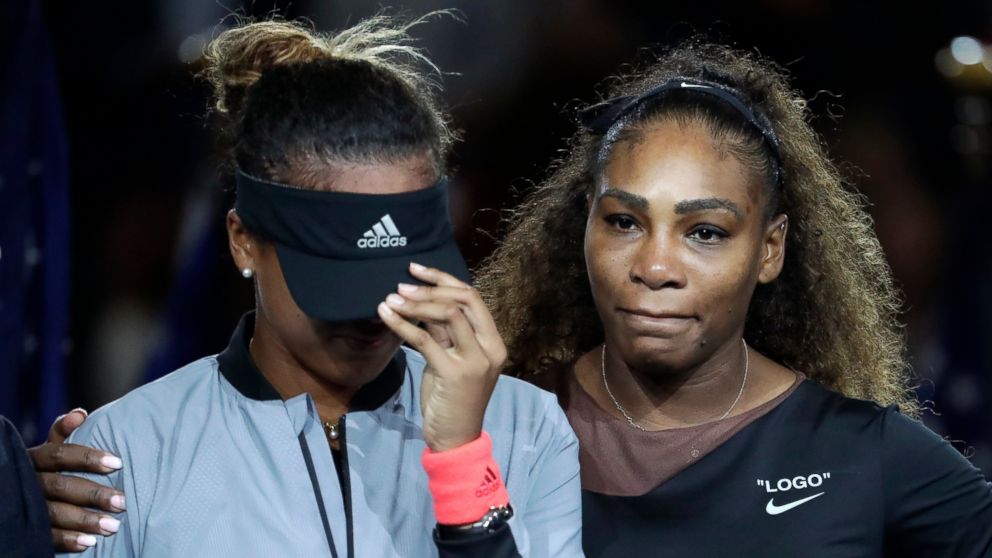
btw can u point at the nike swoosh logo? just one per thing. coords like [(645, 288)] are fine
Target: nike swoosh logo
[(772, 509)]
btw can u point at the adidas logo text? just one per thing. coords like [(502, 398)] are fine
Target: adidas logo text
[(383, 234), (490, 483)]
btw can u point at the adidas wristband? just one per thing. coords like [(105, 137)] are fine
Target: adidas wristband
[(465, 482)]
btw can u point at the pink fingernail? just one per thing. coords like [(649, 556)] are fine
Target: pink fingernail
[(109, 524), (86, 540), (117, 501), (417, 266), (407, 288), (79, 410), (385, 309), (395, 300), (111, 461)]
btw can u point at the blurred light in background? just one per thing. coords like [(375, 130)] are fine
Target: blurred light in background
[(966, 50)]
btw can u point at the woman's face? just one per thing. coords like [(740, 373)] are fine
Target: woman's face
[(676, 241), (345, 353)]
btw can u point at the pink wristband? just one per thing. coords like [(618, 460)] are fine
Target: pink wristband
[(465, 481)]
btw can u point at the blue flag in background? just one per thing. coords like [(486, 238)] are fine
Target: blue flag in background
[(34, 226)]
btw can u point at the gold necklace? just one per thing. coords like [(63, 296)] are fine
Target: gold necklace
[(630, 419)]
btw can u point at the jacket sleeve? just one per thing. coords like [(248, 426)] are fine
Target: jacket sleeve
[(937, 503), (549, 523)]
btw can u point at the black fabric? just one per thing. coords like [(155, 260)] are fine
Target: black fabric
[(498, 544), (339, 292), (329, 224), (344, 477), (24, 528), (890, 487), (239, 369), (342, 253), (336, 455)]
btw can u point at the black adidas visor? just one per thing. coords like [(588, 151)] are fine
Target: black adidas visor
[(342, 253)]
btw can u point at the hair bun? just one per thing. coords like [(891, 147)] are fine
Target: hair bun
[(238, 57)]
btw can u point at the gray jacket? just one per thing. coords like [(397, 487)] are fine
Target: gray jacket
[(216, 464)]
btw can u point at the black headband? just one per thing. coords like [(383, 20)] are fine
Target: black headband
[(600, 118), (342, 253)]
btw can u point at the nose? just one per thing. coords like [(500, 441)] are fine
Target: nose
[(657, 265)]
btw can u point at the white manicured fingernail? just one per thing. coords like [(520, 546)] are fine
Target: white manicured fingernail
[(385, 309), (117, 500), (395, 300), (416, 266), (111, 461), (80, 410), (407, 288), (86, 540), (109, 524)]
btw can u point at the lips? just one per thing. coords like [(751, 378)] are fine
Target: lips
[(658, 314), (657, 322)]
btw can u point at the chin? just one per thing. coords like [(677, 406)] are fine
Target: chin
[(347, 364), (661, 355)]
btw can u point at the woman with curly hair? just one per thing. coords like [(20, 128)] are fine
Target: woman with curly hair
[(709, 302)]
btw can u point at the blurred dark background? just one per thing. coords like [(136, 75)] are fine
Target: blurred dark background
[(113, 262)]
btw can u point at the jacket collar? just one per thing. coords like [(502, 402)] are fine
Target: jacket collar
[(238, 368)]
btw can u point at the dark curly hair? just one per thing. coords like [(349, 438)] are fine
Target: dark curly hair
[(832, 313)]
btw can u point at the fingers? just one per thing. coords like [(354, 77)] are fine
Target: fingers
[(444, 287), (412, 335), (69, 518), (50, 457), (435, 276), (475, 309), (71, 541), (65, 424), (443, 313), (440, 334), (80, 492)]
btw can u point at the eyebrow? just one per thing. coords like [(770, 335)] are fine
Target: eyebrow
[(633, 200), (703, 204)]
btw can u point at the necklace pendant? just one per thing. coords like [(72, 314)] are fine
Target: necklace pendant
[(332, 430)]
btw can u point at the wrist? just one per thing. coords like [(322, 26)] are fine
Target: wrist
[(447, 443), (465, 482)]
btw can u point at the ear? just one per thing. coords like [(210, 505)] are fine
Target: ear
[(773, 249), (242, 245)]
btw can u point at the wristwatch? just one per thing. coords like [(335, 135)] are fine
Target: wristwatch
[(496, 517)]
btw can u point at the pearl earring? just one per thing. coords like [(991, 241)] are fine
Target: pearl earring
[(247, 273)]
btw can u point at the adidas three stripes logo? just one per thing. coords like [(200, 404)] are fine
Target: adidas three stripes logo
[(383, 234), (490, 483)]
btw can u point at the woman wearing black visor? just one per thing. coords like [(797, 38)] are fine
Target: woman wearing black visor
[(314, 433)]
